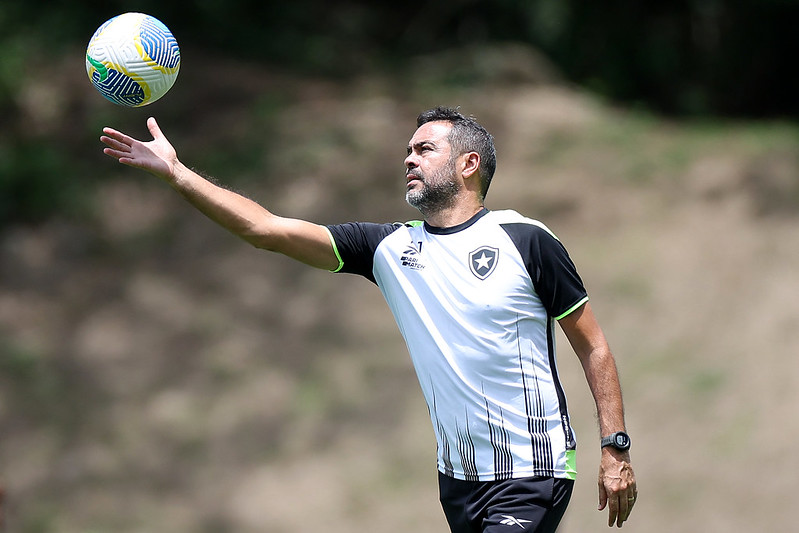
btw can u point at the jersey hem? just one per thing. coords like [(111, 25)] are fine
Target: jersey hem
[(570, 474)]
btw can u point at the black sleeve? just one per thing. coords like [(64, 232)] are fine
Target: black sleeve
[(552, 271), (356, 243)]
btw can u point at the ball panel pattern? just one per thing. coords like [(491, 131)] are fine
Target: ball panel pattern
[(120, 89), (133, 59), (159, 44)]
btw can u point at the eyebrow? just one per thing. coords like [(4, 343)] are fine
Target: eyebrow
[(421, 143)]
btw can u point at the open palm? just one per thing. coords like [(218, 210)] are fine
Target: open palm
[(157, 156)]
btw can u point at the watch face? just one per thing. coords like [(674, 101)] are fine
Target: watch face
[(622, 440)]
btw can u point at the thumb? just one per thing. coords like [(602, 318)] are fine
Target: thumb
[(155, 131)]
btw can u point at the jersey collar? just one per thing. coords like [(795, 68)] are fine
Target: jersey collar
[(455, 229)]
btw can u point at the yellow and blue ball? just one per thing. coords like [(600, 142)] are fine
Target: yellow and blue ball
[(133, 59)]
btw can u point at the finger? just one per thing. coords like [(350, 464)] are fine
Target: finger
[(613, 510), (624, 510), (122, 157), (155, 131), (115, 153), (119, 136), (603, 496), (630, 504), (114, 144)]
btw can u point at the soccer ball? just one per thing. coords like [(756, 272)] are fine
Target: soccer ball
[(133, 59)]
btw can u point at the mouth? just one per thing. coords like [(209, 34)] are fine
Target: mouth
[(412, 178)]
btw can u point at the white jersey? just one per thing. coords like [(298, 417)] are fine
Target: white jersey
[(476, 305)]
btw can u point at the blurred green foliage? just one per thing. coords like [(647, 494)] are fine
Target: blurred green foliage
[(689, 56), (685, 58)]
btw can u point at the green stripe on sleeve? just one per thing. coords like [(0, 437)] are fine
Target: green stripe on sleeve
[(335, 250), (571, 309)]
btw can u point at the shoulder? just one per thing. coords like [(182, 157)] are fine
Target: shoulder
[(516, 224), (364, 231), (355, 243)]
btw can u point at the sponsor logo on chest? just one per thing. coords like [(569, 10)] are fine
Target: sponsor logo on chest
[(410, 257)]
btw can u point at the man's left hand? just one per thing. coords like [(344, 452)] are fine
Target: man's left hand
[(617, 488)]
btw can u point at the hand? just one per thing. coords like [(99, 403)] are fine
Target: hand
[(157, 156), (617, 488)]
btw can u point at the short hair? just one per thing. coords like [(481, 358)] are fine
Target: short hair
[(467, 135)]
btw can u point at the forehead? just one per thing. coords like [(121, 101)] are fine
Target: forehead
[(435, 132)]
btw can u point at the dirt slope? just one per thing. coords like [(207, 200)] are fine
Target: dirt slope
[(159, 375)]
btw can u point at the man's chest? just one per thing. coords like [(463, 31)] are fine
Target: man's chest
[(468, 273)]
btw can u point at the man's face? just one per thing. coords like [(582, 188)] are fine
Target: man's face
[(429, 168)]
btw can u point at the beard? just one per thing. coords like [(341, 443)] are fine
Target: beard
[(438, 191)]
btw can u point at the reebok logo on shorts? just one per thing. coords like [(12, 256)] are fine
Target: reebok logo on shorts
[(513, 521)]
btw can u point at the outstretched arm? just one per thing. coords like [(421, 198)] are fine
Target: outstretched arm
[(304, 241), (617, 486)]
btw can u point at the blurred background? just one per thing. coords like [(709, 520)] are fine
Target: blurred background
[(157, 374)]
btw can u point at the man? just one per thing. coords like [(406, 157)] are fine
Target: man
[(475, 294)]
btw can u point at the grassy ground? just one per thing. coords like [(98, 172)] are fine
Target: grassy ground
[(158, 375)]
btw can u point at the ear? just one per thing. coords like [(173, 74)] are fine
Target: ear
[(471, 162)]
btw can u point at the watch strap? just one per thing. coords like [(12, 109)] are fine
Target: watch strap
[(614, 440)]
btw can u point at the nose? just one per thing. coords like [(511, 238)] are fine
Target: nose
[(410, 161)]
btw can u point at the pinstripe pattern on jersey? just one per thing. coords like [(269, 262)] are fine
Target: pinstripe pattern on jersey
[(500, 441), (536, 416), (467, 452), (444, 451)]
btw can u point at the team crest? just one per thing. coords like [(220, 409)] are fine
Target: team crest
[(483, 261)]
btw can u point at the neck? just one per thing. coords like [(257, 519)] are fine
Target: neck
[(452, 216)]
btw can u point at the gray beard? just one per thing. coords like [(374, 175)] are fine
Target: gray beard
[(436, 194)]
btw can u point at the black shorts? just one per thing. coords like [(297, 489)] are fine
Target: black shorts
[(533, 504)]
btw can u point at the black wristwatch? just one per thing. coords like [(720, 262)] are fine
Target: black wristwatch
[(619, 440)]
